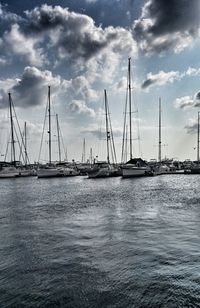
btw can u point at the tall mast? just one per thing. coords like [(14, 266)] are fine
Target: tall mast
[(25, 143), (91, 156), (84, 150), (198, 138), (107, 131), (83, 154), (58, 132), (130, 112), (12, 131), (159, 142), (126, 144), (49, 131)]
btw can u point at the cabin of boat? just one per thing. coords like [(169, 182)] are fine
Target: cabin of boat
[(136, 167), (99, 169)]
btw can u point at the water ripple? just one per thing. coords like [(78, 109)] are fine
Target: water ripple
[(74, 242)]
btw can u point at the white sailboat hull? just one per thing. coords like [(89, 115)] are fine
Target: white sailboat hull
[(49, 173), (56, 172), (27, 172), (132, 171), (9, 172)]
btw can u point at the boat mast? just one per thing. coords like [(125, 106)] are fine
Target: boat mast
[(12, 131), (159, 142), (49, 131), (126, 144), (91, 156), (58, 132), (83, 154), (198, 138), (25, 144), (130, 112), (107, 132)]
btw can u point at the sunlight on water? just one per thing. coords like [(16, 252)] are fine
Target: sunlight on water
[(74, 242)]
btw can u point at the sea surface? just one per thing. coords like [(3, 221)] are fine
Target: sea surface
[(78, 242)]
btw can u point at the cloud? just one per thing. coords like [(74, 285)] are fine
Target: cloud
[(197, 96), (78, 107), (3, 61), (49, 36), (31, 89), (192, 127), (121, 85), (80, 88), (160, 78), (23, 46), (5, 86), (186, 102), (8, 17), (191, 72), (75, 35), (167, 24)]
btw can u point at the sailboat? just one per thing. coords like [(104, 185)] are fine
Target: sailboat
[(135, 166), (49, 170), (68, 169), (10, 170), (102, 169), (85, 165), (195, 169), (159, 167), (25, 170)]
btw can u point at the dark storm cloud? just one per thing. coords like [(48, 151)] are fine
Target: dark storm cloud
[(72, 34), (198, 96), (197, 100), (147, 83), (55, 34), (164, 24), (104, 12), (30, 90)]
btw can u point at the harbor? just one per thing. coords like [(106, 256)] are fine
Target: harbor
[(132, 167), (99, 154)]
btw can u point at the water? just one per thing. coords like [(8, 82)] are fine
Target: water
[(75, 242)]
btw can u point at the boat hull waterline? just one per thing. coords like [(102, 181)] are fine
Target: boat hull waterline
[(135, 172)]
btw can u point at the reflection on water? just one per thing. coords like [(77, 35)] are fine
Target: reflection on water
[(74, 242)]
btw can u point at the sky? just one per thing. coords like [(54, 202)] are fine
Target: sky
[(79, 48)]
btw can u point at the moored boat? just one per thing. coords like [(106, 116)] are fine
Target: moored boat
[(135, 167), (105, 169), (195, 168), (9, 172), (100, 169), (51, 169), (50, 172)]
